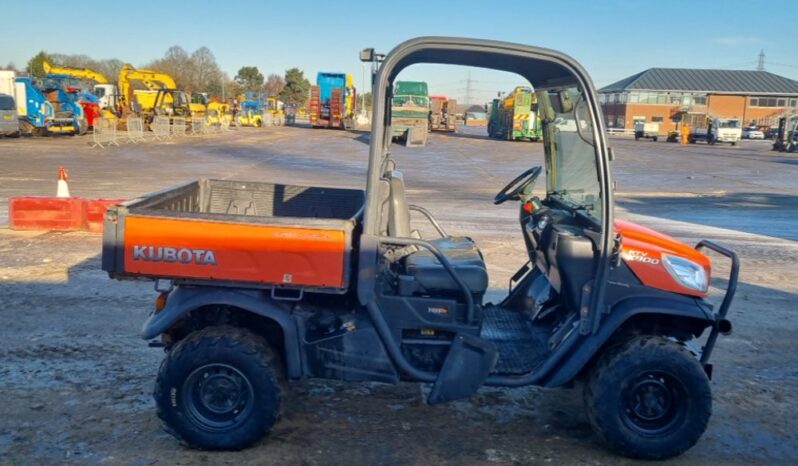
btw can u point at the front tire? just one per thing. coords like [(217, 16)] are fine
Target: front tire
[(218, 389), (648, 398)]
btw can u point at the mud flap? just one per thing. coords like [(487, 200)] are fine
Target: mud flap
[(468, 364), (416, 136)]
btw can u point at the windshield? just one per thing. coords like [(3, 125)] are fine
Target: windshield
[(571, 156), (6, 102), (729, 124), (410, 101)]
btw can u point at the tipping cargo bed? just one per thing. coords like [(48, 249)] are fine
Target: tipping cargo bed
[(236, 233)]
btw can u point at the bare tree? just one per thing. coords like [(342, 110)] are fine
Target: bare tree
[(176, 63), (274, 85), (206, 71)]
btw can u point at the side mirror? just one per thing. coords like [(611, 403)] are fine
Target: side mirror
[(367, 55)]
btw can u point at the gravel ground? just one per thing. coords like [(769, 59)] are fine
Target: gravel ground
[(76, 380)]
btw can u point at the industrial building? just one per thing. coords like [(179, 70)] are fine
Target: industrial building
[(661, 95)]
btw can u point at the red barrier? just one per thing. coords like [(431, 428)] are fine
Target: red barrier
[(46, 213), (58, 213), (95, 213)]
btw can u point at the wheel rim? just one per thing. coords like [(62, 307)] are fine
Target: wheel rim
[(218, 397), (654, 403)]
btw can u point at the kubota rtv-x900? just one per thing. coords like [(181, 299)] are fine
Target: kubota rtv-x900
[(262, 281)]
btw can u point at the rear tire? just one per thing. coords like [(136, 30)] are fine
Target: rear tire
[(218, 389), (648, 398)]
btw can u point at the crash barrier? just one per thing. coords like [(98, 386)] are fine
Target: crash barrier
[(135, 130), (58, 213), (178, 126), (104, 133), (94, 213), (160, 127)]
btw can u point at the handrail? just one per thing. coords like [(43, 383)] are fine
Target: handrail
[(431, 219), (443, 260)]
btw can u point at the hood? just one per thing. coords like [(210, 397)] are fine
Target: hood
[(642, 249)]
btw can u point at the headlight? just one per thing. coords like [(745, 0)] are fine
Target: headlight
[(686, 272)]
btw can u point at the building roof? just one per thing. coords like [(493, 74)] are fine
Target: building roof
[(710, 81)]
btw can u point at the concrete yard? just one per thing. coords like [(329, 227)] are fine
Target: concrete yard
[(76, 380)]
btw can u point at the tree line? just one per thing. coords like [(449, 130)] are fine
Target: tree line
[(193, 72)]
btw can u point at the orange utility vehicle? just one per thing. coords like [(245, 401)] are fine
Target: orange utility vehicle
[(259, 282)]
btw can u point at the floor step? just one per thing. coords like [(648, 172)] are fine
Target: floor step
[(522, 345)]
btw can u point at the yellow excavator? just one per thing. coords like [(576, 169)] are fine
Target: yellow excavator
[(161, 97), (156, 80)]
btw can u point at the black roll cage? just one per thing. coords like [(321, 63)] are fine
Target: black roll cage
[(543, 68)]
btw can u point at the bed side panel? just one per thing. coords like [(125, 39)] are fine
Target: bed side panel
[(281, 255)]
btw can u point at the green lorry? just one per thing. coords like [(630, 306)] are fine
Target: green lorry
[(515, 116), (410, 112)]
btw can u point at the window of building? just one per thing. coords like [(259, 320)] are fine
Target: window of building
[(602, 98), (770, 101), (699, 99), (622, 98), (634, 97), (793, 102), (656, 119)]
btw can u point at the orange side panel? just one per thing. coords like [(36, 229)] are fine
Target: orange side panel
[(230, 251)]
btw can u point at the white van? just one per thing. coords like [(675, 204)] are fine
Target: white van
[(9, 120)]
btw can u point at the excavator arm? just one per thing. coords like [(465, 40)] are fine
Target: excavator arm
[(81, 73), (153, 80)]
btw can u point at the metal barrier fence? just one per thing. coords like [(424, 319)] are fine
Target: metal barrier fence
[(178, 126), (105, 130), (135, 130), (621, 131), (160, 127), (201, 126), (104, 133)]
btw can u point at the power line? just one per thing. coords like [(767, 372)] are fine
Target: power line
[(760, 66), (783, 64), (468, 88)]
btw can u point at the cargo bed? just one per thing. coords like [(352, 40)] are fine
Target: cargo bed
[(236, 233)]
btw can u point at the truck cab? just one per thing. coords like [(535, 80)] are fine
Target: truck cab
[(262, 283)]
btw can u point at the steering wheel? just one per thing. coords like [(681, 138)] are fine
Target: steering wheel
[(514, 188)]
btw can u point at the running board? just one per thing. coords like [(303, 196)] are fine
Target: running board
[(469, 362)]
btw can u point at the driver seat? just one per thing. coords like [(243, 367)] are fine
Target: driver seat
[(423, 271)]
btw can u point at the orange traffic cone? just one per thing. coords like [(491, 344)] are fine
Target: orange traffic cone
[(63, 187)]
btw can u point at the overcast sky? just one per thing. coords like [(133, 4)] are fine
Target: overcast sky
[(611, 38)]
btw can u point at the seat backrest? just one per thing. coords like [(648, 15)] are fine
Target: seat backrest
[(399, 214)]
